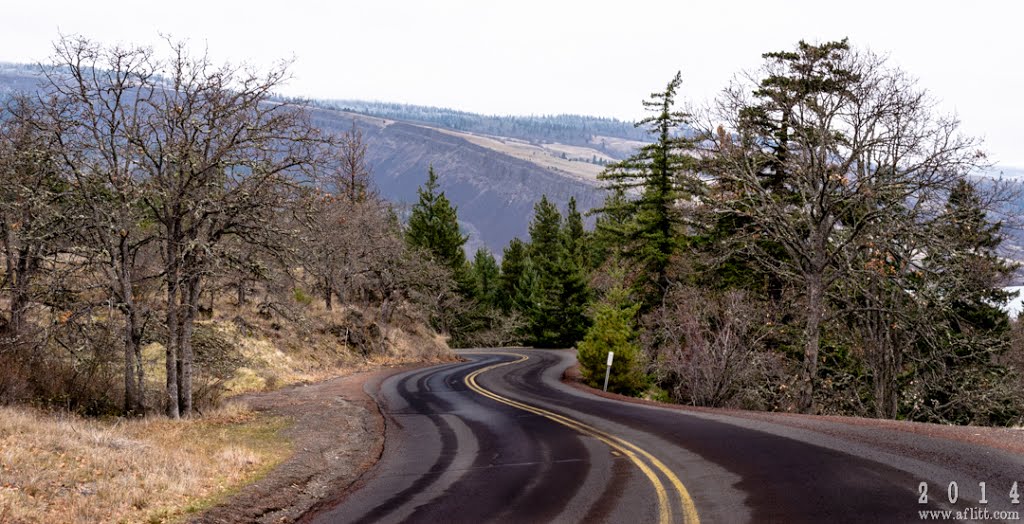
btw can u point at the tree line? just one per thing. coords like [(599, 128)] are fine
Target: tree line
[(810, 241), (567, 129)]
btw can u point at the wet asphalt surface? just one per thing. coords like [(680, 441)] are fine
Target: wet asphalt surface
[(455, 454)]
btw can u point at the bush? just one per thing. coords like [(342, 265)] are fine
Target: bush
[(302, 297), (217, 358), (707, 349), (613, 330)]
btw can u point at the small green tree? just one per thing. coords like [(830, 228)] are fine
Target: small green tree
[(613, 330), (486, 277), (434, 227)]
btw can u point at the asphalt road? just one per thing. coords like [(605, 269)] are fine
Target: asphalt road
[(499, 438)]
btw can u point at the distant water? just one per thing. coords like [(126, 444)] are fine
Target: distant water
[(1015, 305)]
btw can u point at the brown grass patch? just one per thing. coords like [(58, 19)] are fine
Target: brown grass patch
[(62, 468)]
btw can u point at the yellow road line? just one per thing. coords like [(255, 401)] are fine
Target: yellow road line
[(625, 447)]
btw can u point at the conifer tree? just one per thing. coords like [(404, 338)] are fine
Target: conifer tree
[(613, 330), (612, 220), (575, 236), (434, 227), (558, 320), (486, 276), (514, 262), (663, 173), (957, 378), (546, 252), (967, 261)]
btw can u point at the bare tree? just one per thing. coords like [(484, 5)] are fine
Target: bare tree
[(220, 158), (833, 146), (33, 224), (97, 98), (710, 347), (352, 176)]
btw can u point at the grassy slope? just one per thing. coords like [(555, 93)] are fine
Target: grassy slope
[(69, 469), (62, 468)]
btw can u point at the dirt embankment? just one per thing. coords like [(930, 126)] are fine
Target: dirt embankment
[(1005, 439), (337, 434)]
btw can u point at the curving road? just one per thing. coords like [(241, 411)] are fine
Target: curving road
[(499, 438)]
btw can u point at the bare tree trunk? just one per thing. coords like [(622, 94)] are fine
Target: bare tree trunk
[(328, 295), (20, 293), (134, 378), (812, 334), (133, 403), (185, 354), (172, 362)]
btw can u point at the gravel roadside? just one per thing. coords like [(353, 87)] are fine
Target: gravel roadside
[(337, 435), (1009, 440)]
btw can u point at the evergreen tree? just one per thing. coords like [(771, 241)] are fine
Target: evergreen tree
[(528, 298), (547, 253), (434, 227), (575, 237), (573, 277), (514, 263), (664, 174), (546, 247), (612, 221), (968, 263), (557, 318), (613, 330), (957, 380), (486, 277)]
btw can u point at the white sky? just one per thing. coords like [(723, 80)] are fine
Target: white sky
[(542, 57)]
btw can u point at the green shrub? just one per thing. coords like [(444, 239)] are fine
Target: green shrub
[(613, 330)]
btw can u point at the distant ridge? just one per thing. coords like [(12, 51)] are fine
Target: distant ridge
[(494, 190), (578, 130)]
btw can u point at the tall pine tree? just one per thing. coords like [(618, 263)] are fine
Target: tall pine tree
[(662, 175), (434, 227), (514, 262), (558, 318)]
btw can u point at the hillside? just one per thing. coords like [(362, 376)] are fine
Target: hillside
[(495, 191), (494, 168), (494, 179)]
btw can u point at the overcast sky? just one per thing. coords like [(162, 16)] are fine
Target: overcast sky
[(543, 57)]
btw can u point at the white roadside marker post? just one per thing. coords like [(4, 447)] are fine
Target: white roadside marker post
[(608, 372)]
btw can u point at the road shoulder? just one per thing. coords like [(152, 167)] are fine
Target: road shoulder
[(337, 434)]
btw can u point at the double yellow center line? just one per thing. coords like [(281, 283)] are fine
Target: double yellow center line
[(642, 459)]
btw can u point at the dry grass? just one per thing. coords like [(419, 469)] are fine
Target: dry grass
[(548, 155), (283, 352), (67, 469), (60, 468)]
